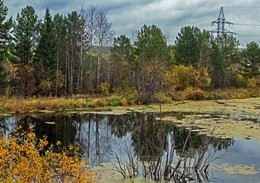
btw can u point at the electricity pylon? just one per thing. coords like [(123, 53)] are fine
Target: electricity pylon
[(221, 21)]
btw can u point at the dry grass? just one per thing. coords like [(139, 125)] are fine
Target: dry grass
[(20, 105), (233, 93)]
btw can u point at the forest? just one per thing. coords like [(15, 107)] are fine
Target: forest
[(77, 53)]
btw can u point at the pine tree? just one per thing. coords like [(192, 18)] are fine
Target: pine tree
[(25, 38), (251, 60), (120, 52), (60, 34), (25, 34), (45, 61), (5, 26), (149, 58)]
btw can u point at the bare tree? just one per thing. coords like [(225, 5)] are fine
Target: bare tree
[(98, 28), (103, 35)]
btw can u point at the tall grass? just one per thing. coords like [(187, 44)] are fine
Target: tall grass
[(21, 105), (18, 104)]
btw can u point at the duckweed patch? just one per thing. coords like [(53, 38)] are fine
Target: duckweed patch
[(236, 169)]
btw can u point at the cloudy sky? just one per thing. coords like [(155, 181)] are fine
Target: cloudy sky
[(169, 15)]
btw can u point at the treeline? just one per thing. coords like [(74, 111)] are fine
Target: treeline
[(78, 54)]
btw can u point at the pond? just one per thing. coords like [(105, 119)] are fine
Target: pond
[(152, 148)]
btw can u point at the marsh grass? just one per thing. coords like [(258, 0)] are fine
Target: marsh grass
[(232, 93), (114, 101), (21, 105)]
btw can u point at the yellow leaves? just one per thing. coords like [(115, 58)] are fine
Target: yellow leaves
[(60, 78), (58, 143), (43, 143), (251, 83), (180, 77), (70, 147), (31, 135), (104, 88), (137, 58), (27, 159)]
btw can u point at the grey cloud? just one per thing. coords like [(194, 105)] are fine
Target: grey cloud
[(169, 15)]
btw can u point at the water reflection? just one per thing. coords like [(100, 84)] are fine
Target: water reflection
[(100, 136)]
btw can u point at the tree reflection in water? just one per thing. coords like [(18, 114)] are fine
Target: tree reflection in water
[(142, 145), (165, 151)]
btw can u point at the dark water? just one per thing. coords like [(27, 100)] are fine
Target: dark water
[(101, 137)]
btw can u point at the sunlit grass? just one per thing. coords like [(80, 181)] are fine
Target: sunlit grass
[(22, 105), (33, 104)]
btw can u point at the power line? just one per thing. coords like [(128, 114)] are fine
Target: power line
[(244, 37), (249, 35), (234, 7), (256, 25)]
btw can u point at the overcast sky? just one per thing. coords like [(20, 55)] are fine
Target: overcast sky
[(169, 15)]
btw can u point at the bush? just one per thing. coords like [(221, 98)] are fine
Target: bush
[(251, 83), (122, 88), (180, 77), (99, 103), (232, 93), (197, 94), (104, 88), (113, 101), (162, 97), (190, 93), (240, 81), (124, 101), (25, 158), (46, 86), (132, 96), (239, 94)]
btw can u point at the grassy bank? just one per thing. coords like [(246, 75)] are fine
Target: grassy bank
[(249, 106), (21, 105), (216, 101)]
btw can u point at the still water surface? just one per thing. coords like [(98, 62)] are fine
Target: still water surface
[(102, 136)]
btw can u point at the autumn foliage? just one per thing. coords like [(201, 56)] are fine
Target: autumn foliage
[(25, 158)]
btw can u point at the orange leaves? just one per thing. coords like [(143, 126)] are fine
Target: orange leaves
[(27, 159)]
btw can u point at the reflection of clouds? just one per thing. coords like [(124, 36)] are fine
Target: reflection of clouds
[(249, 147), (8, 125), (243, 152)]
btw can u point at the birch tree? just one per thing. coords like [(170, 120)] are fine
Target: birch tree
[(103, 35)]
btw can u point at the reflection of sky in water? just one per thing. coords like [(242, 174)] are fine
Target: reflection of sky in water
[(243, 152), (95, 131)]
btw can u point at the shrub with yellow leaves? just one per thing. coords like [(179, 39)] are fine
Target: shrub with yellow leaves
[(24, 158)]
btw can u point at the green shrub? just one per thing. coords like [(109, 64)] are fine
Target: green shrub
[(123, 86), (113, 101)]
